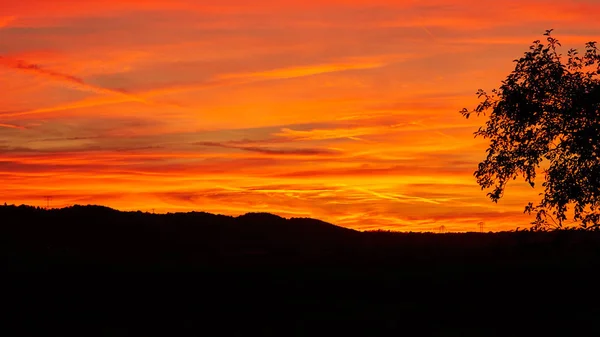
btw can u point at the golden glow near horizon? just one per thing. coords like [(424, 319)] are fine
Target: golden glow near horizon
[(342, 110)]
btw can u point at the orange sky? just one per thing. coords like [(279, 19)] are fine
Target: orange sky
[(343, 110)]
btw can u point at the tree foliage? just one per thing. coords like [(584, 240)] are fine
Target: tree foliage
[(545, 117)]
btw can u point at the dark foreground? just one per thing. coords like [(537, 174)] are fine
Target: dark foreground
[(92, 271)]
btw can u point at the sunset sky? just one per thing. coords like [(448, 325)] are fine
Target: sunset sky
[(342, 110)]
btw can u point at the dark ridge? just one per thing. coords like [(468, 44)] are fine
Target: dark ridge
[(264, 275), (100, 237)]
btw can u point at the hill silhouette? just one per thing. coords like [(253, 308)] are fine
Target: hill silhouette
[(97, 236), (100, 237), (266, 275)]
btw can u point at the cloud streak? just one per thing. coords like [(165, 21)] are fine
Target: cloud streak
[(274, 151), (71, 80), (144, 96), (310, 70), (11, 126)]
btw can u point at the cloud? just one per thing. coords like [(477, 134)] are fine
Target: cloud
[(127, 98), (309, 70), (398, 197), (323, 134), (405, 171), (22, 65), (11, 126), (274, 151), (218, 81), (74, 81), (367, 128), (85, 103)]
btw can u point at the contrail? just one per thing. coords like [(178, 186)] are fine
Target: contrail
[(427, 31), (425, 28), (66, 78), (10, 126), (20, 64), (230, 79)]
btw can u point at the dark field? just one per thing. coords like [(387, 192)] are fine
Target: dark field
[(93, 271)]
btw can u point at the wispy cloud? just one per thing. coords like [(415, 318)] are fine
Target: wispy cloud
[(71, 80), (309, 70), (324, 134), (11, 126), (144, 96), (274, 151), (22, 65)]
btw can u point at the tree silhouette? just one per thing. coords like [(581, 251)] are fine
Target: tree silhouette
[(546, 115)]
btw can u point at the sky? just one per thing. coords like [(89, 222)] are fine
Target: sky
[(342, 110)]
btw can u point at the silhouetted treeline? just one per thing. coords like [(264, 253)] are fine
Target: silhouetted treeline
[(100, 237), (260, 274)]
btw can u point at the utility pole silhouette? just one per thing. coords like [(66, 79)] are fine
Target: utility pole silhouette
[(481, 224), (48, 199)]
